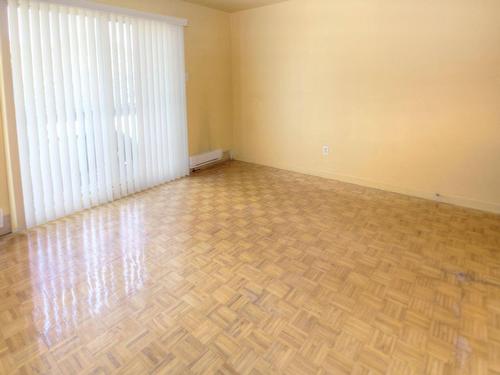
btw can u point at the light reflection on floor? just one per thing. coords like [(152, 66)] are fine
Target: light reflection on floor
[(249, 269), (69, 293)]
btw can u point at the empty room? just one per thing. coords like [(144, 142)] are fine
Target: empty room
[(250, 187)]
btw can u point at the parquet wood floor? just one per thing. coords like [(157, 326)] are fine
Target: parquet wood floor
[(243, 269)]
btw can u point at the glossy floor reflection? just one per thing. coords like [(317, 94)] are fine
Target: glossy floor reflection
[(248, 269)]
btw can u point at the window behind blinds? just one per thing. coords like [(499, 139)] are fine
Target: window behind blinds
[(100, 105)]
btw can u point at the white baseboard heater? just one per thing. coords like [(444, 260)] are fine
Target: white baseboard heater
[(198, 161)]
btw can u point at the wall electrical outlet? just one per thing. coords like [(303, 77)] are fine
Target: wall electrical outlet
[(1, 217), (326, 150)]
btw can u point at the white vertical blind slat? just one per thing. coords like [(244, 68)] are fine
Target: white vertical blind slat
[(140, 172), (179, 107), (162, 79), (50, 107), (182, 155), (88, 111), (156, 102), (24, 150), (104, 80), (151, 107), (131, 144), (60, 102), (29, 103), (118, 106), (124, 72), (148, 162), (96, 108), (41, 110), (78, 109), (171, 84), (100, 105), (70, 125)]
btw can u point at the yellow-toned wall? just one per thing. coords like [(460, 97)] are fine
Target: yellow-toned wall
[(406, 93), (208, 64)]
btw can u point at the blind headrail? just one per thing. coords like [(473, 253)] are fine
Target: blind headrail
[(118, 10)]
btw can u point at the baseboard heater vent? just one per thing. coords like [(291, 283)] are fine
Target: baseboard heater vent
[(207, 158)]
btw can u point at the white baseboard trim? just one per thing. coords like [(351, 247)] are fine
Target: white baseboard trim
[(443, 198)]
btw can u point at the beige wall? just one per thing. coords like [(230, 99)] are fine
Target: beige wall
[(406, 93), (208, 64)]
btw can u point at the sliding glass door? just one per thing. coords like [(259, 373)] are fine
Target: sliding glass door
[(100, 105)]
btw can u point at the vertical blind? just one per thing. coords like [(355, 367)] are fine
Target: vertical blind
[(100, 105)]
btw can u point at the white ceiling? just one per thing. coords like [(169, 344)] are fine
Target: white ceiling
[(234, 5)]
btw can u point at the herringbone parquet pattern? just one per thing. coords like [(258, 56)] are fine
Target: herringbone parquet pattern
[(247, 269)]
